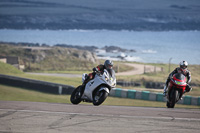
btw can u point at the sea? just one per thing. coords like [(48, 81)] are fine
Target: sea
[(149, 46)]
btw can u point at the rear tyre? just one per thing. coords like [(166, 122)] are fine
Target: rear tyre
[(76, 95), (99, 97)]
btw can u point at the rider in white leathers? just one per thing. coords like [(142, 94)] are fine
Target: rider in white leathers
[(108, 65)]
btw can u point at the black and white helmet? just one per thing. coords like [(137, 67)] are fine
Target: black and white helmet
[(183, 65), (108, 64)]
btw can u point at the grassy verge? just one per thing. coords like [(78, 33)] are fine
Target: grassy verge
[(118, 67), (8, 69), (162, 76), (8, 93), (157, 77), (17, 94)]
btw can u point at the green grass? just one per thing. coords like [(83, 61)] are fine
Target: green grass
[(118, 66), (8, 93), (61, 80), (18, 94), (64, 72), (60, 64), (162, 76), (8, 69), (157, 77)]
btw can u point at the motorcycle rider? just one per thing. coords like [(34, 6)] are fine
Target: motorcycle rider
[(108, 64), (182, 69)]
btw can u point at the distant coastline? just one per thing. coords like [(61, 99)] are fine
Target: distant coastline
[(94, 49), (135, 46), (111, 49)]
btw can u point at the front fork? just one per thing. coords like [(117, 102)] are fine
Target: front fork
[(180, 94)]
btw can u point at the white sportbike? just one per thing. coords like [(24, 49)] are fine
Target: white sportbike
[(96, 90)]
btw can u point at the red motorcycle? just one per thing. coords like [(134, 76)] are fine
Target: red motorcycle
[(176, 89)]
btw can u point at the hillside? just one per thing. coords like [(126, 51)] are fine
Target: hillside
[(50, 58), (8, 69)]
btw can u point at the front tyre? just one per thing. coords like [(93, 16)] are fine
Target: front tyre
[(99, 97), (76, 95), (173, 96)]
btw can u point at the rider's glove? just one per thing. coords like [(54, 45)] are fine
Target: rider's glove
[(95, 69), (170, 76)]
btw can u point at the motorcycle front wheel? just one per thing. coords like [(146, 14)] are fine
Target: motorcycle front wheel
[(99, 97), (173, 96), (76, 95)]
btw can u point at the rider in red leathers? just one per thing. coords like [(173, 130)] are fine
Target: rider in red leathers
[(182, 69)]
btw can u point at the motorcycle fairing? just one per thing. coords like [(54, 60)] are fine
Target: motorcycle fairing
[(96, 82), (91, 86), (178, 82)]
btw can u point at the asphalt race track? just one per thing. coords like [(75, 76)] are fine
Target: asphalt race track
[(36, 117)]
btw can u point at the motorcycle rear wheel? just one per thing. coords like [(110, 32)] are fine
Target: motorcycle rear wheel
[(99, 97), (76, 95)]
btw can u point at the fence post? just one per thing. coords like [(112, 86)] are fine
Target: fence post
[(162, 69), (117, 68), (60, 90)]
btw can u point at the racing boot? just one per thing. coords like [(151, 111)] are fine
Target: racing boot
[(165, 91), (181, 98), (188, 88), (83, 88), (87, 79)]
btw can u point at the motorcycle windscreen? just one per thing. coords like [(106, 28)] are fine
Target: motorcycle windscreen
[(111, 72), (180, 76)]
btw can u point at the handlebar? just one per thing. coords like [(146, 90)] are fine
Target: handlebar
[(98, 73)]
